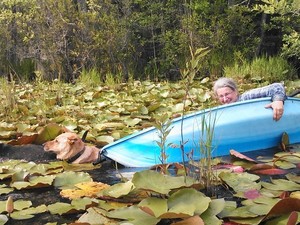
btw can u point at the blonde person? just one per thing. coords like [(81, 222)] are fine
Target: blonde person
[(226, 91)]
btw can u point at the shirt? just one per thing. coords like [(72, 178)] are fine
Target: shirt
[(276, 91)]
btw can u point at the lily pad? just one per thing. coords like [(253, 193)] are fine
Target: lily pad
[(157, 182), (69, 179), (134, 215)]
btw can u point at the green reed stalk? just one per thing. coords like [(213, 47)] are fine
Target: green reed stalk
[(208, 122)]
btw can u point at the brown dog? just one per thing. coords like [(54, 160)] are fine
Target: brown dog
[(69, 146)]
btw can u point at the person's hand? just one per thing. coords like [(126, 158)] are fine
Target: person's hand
[(277, 107)]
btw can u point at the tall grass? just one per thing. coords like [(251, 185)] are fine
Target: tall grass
[(91, 78), (7, 91), (208, 122), (270, 69)]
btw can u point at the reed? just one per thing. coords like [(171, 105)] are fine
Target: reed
[(91, 78), (8, 95), (163, 126)]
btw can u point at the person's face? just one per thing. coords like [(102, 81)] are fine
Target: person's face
[(226, 95)]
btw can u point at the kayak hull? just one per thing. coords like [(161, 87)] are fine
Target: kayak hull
[(242, 126)]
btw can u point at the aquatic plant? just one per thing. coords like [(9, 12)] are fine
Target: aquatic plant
[(163, 126)]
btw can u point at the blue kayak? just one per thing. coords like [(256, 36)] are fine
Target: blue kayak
[(243, 126)]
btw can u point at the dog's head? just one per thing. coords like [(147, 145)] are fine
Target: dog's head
[(65, 145)]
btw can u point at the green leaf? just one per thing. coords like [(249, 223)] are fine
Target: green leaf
[(94, 216), (188, 201), (69, 179), (60, 208), (134, 215), (118, 190), (154, 206), (28, 213), (157, 182), (3, 219), (282, 185), (240, 182)]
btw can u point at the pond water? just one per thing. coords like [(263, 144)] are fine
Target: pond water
[(109, 173)]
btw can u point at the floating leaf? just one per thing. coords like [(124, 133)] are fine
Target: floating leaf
[(252, 194), (240, 156), (284, 164), (157, 182), (188, 201), (293, 177), (5, 189), (28, 213), (273, 171), (295, 194), (132, 122), (3, 219), (154, 206), (281, 184), (60, 208), (24, 139), (85, 189), (94, 216), (284, 206), (118, 190), (240, 182), (18, 205), (216, 206), (49, 132), (69, 179), (194, 220), (134, 215)]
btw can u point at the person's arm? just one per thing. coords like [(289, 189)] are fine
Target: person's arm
[(277, 93)]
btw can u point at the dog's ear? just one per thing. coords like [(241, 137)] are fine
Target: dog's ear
[(84, 135), (72, 140)]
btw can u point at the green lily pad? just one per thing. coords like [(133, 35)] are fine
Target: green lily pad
[(94, 215), (3, 219), (118, 190), (154, 206), (157, 182), (134, 215), (28, 213), (68, 179), (60, 208), (281, 184), (241, 182), (18, 205), (188, 201)]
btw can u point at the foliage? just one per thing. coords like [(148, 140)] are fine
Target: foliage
[(90, 78), (127, 39), (100, 109), (284, 17), (262, 69)]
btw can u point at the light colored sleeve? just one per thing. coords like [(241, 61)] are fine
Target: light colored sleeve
[(276, 91)]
